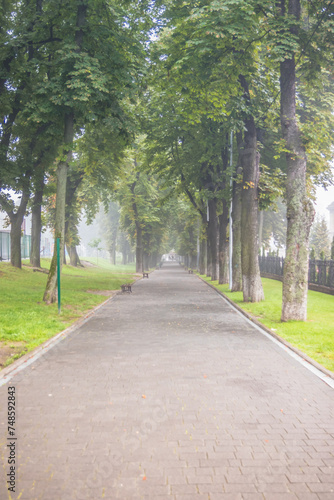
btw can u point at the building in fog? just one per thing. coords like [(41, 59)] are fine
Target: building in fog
[(47, 239)]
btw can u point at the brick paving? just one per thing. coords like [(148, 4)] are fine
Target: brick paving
[(168, 393)]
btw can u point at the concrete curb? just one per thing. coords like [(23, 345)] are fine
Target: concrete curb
[(48, 344), (7, 372), (287, 344)]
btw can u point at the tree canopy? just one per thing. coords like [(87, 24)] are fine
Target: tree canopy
[(172, 109)]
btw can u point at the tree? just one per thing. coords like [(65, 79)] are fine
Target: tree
[(95, 243), (206, 42), (98, 62), (141, 214), (25, 144), (274, 225), (300, 211), (319, 238), (109, 226)]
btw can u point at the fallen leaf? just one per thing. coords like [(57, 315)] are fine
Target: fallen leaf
[(143, 396)]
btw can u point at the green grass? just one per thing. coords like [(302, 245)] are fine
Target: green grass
[(105, 264), (315, 337), (24, 318)]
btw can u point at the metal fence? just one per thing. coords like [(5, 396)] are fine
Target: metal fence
[(5, 246), (321, 272), (25, 246)]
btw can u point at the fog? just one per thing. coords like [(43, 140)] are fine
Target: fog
[(324, 198)]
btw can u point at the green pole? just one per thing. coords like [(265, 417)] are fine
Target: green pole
[(58, 272)]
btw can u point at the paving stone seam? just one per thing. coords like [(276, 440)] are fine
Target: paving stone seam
[(20, 364), (320, 371)]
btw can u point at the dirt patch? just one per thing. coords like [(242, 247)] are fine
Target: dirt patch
[(85, 263), (107, 293), (9, 350)]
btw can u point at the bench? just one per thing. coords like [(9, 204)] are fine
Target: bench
[(191, 271), (145, 275), (126, 288)]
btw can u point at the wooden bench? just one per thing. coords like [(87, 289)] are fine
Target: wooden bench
[(126, 288), (191, 271), (145, 275)]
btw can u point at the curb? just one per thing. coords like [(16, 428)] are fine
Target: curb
[(287, 344), (7, 372)]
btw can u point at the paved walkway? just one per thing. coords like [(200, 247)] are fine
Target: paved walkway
[(168, 393)]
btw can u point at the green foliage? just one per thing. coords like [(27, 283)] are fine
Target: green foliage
[(82, 58), (319, 238), (140, 202), (184, 227), (270, 186), (275, 225), (95, 243)]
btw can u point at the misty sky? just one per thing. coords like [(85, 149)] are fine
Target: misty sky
[(324, 198)]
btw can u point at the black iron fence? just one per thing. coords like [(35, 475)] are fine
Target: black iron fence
[(321, 272)]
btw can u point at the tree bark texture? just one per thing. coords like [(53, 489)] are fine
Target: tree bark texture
[(202, 249), (36, 226), (223, 244), (236, 221), (212, 239), (236, 225), (74, 257), (50, 294), (202, 244), (300, 211), (249, 161), (16, 220)]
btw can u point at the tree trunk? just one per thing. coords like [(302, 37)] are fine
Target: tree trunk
[(202, 248), (74, 257), (236, 225), (193, 261), (15, 242), (300, 211), (223, 245), (139, 249), (249, 160), (51, 286), (16, 220), (202, 244), (36, 226), (145, 261), (212, 240)]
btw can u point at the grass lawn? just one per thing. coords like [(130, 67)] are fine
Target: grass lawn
[(315, 337), (105, 264), (26, 322)]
